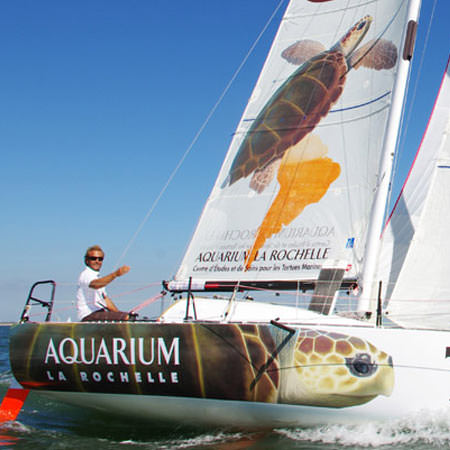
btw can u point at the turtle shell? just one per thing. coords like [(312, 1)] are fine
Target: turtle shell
[(292, 112), (231, 362)]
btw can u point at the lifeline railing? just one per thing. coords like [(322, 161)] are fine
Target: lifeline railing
[(31, 301)]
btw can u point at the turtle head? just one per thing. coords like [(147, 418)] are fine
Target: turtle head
[(353, 37), (336, 370)]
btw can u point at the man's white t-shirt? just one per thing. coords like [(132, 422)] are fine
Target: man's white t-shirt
[(88, 299)]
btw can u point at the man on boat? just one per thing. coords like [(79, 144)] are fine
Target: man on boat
[(92, 302)]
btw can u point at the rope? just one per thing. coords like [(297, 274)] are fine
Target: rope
[(141, 288), (196, 137), (148, 302)]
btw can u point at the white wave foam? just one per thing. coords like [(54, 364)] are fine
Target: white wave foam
[(205, 439), (6, 377), (14, 426), (423, 428), (193, 442)]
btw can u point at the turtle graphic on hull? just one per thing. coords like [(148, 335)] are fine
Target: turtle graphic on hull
[(262, 364), (235, 362)]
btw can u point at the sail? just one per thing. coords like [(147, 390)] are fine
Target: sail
[(296, 188), (416, 247)]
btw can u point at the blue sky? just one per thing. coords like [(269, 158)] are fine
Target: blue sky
[(99, 101)]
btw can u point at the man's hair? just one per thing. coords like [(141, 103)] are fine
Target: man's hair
[(92, 248)]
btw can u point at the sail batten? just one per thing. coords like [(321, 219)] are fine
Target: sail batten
[(295, 191)]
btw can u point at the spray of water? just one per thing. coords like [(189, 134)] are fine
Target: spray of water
[(430, 430)]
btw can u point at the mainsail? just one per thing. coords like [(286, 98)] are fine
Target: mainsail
[(416, 246), (296, 188)]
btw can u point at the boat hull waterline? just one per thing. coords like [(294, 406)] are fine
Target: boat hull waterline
[(236, 375)]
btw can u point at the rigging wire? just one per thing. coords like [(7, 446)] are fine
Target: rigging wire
[(197, 135)]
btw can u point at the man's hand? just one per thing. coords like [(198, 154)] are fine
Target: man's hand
[(122, 271), (110, 304)]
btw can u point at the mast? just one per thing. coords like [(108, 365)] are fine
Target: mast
[(390, 143)]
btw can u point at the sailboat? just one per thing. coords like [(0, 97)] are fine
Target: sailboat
[(294, 226)]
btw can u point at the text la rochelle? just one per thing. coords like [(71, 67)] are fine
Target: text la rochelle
[(116, 351)]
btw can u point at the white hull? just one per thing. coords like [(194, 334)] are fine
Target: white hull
[(192, 412), (422, 383)]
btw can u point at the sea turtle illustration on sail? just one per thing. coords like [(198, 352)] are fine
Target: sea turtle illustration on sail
[(312, 367), (304, 99)]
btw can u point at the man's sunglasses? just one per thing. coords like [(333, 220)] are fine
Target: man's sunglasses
[(95, 258)]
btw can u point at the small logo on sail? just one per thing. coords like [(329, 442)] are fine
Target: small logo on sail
[(350, 242)]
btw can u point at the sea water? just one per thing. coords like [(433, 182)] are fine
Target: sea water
[(45, 424)]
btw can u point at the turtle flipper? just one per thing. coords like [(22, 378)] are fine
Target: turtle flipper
[(301, 51), (377, 54), (263, 177)]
